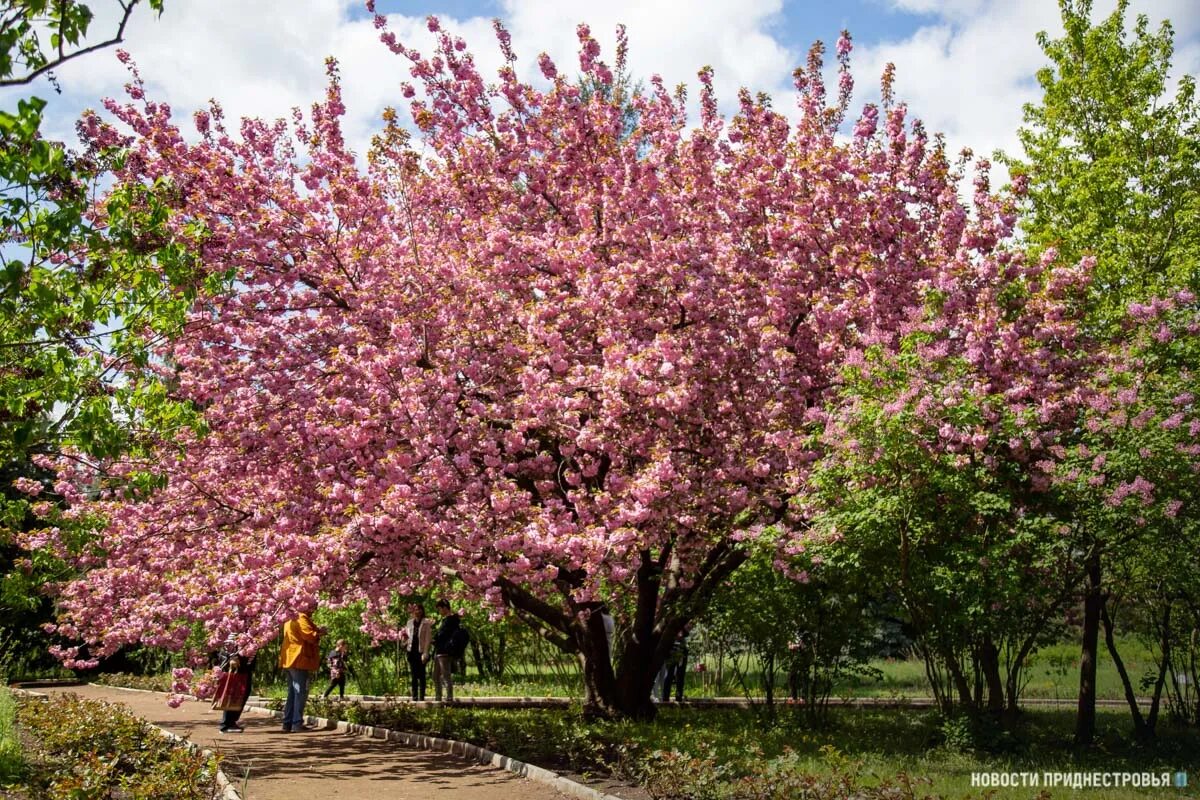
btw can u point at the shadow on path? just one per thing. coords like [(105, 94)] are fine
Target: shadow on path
[(267, 764)]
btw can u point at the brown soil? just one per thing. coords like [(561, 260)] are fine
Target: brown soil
[(266, 764)]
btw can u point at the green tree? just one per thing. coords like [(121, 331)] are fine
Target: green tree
[(814, 627), (83, 291), (1112, 162)]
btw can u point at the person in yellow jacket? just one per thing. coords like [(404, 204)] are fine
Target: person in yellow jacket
[(299, 656)]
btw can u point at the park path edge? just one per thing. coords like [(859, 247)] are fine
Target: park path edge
[(465, 750)]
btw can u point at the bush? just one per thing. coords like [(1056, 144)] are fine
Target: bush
[(90, 750), (547, 737), (153, 683), (965, 733), (678, 776)]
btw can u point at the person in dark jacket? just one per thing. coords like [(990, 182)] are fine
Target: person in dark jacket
[(676, 666), (444, 651), (338, 662)]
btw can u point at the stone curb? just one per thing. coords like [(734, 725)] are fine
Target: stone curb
[(465, 750), (227, 790)]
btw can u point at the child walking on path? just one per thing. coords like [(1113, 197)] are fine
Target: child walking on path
[(339, 665)]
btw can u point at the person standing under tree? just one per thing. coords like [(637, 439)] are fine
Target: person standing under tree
[(418, 636), (233, 688), (445, 650), (676, 667), (338, 662), (300, 656)]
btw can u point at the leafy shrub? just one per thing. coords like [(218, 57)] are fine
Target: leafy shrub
[(672, 775), (964, 733), (153, 683), (90, 750)]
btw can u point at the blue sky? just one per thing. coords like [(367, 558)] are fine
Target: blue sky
[(964, 66), (869, 21)]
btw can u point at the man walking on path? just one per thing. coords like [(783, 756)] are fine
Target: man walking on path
[(299, 655)]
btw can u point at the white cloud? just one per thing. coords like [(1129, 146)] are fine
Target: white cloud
[(264, 58), (966, 72), (969, 70), (665, 38)]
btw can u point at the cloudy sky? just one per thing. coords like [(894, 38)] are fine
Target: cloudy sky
[(964, 66)]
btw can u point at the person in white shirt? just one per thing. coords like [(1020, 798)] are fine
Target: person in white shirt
[(417, 637)]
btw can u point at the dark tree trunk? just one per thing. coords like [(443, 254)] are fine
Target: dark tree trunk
[(663, 606), (1140, 731), (1085, 718), (989, 664), (1163, 664), (958, 676)]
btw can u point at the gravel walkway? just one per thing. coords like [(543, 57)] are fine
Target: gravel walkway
[(266, 764)]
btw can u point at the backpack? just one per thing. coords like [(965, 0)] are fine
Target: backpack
[(459, 641)]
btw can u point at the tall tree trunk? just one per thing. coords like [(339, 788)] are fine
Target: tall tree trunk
[(661, 609), (959, 678), (1012, 683), (989, 664), (1085, 717), (1140, 730), (601, 697), (1163, 663)]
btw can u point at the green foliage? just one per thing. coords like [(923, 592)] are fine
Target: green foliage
[(724, 753), (815, 632), (83, 294), (88, 749), (1113, 162), (38, 35), (670, 774), (968, 545)]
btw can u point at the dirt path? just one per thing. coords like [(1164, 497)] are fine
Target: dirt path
[(322, 764)]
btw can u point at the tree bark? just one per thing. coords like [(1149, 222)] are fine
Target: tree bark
[(989, 663), (1140, 731), (1163, 664), (660, 613), (1085, 716)]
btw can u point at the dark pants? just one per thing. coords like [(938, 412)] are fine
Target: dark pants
[(339, 684), (676, 674), (416, 666)]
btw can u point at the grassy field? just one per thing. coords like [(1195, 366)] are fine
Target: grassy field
[(1053, 674), (877, 744), (12, 764)]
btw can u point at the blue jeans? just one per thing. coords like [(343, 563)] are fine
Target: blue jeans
[(297, 696)]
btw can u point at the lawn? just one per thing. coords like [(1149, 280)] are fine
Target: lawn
[(719, 745), (12, 762), (1052, 674)]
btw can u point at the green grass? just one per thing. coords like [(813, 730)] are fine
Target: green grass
[(1053, 674), (12, 762), (878, 743)]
